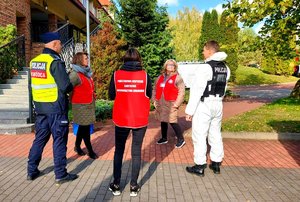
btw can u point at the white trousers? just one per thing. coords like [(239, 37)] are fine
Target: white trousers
[(206, 123)]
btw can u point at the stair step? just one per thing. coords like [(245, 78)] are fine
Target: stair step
[(22, 72), (15, 129), (20, 77), (4, 107), (13, 121), (16, 91), (9, 99), (17, 81), (8, 113), (14, 86)]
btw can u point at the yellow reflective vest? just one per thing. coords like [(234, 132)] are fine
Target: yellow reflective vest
[(44, 88)]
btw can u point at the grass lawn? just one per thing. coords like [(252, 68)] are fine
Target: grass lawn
[(282, 115), (254, 76)]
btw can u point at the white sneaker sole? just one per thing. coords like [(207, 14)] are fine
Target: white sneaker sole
[(180, 145), (134, 193), (162, 142), (115, 193)]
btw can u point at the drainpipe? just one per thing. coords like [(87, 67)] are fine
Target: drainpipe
[(87, 7)]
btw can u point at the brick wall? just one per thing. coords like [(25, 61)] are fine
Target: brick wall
[(36, 49), (7, 12)]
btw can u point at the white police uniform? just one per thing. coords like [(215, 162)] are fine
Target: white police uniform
[(207, 114)]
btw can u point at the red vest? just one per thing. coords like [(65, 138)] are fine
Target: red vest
[(84, 92), (169, 89), (131, 106)]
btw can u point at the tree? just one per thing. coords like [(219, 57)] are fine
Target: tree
[(106, 53), (248, 47), (144, 26), (229, 44), (185, 29), (204, 33), (281, 25)]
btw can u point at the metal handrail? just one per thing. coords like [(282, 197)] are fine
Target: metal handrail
[(13, 41)]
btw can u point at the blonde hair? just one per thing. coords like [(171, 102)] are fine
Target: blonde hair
[(165, 65)]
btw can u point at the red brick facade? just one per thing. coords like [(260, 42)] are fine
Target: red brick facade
[(17, 13)]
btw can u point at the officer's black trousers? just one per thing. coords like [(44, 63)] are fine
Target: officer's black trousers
[(84, 133), (121, 135)]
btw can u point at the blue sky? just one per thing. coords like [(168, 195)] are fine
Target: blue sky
[(202, 5)]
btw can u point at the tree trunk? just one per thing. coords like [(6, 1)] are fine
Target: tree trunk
[(296, 91)]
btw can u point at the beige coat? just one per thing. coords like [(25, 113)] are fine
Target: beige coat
[(83, 114), (165, 110)]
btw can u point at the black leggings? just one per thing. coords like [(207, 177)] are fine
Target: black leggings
[(84, 133), (176, 128)]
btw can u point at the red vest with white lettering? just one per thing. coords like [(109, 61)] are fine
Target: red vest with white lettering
[(84, 92), (131, 106), (169, 89)]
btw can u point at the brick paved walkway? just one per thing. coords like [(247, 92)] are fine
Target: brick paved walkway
[(252, 170)]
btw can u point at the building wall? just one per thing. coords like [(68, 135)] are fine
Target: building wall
[(17, 12)]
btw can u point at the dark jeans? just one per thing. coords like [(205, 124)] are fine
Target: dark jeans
[(176, 128), (45, 125), (84, 133), (121, 135)]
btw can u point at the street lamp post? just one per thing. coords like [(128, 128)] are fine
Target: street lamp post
[(87, 7)]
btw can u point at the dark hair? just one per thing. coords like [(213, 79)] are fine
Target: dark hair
[(78, 58), (132, 54), (213, 45)]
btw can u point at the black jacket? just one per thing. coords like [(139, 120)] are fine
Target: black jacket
[(58, 71), (129, 66)]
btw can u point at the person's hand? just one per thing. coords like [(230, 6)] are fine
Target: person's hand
[(188, 117), (175, 106), (155, 104)]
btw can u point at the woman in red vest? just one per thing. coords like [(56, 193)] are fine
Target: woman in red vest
[(168, 95), (131, 89), (83, 103)]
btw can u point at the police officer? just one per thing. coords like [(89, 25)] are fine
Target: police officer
[(205, 108), (50, 85)]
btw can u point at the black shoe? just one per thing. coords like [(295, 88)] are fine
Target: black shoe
[(215, 166), (162, 141), (67, 178), (115, 189), (93, 155), (33, 176), (79, 151), (197, 169), (134, 190), (180, 143)]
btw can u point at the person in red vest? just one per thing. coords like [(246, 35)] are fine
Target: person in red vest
[(131, 88), (83, 103), (168, 95)]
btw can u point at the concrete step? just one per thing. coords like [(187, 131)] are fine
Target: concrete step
[(17, 81), (22, 72), (14, 99), (25, 76), (15, 129), (5, 107), (14, 121), (12, 114), (17, 91), (14, 86)]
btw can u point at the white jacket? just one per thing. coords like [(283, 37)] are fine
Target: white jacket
[(203, 75)]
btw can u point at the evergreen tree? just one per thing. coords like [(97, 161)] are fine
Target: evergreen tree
[(214, 27), (229, 43), (205, 30), (144, 26), (106, 53)]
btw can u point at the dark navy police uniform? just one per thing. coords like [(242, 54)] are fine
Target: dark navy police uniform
[(52, 118)]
